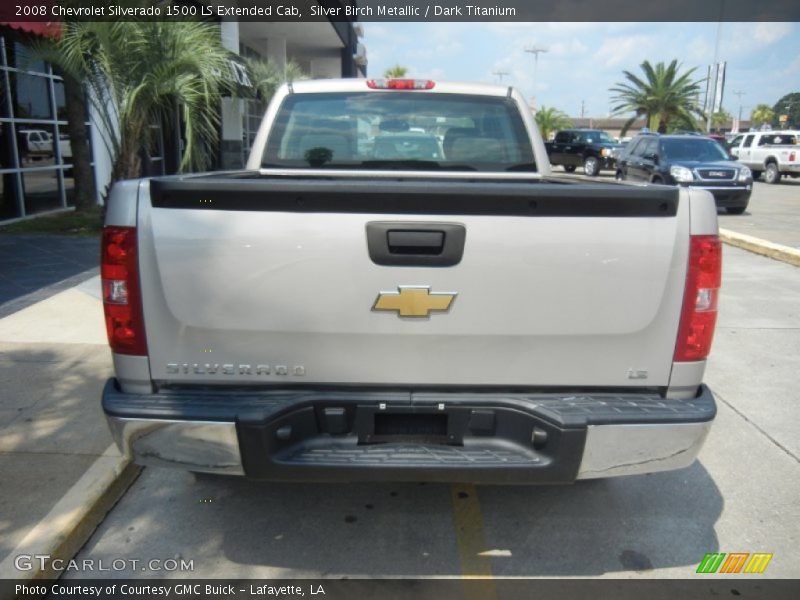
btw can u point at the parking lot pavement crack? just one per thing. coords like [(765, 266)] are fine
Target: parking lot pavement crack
[(755, 425)]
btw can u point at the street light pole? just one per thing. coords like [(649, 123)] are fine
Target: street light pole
[(536, 51)]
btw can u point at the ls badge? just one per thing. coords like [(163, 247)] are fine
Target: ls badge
[(414, 301)]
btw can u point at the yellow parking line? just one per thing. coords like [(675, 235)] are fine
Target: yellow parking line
[(471, 542)]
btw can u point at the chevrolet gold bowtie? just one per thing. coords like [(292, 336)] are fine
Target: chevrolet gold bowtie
[(414, 301)]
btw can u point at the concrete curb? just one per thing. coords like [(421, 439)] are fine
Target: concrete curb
[(757, 245), (73, 519)]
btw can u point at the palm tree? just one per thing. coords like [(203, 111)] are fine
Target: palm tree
[(720, 118), (85, 191), (138, 72), (266, 78), (762, 113), (664, 97), (395, 72), (550, 120), (788, 105)]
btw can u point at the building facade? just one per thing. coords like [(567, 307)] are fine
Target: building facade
[(321, 49), (35, 152), (613, 125)]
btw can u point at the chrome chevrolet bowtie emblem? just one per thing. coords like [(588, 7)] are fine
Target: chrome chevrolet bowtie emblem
[(414, 301)]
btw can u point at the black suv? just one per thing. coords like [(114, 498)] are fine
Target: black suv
[(690, 160), (593, 149)]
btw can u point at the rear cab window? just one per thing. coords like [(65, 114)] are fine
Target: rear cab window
[(563, 137), (399, 130), (777, 139), (596, 137), (648, 147)]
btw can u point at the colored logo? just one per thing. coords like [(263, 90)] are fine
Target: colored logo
[(410, 301), (735, 562)]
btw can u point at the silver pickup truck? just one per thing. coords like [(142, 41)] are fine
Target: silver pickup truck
[(451, 312), (774, 153)]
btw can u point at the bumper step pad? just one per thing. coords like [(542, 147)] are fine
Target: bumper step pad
[(412, 455)]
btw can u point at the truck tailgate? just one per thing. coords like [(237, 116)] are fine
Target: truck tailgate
[(263, 281)]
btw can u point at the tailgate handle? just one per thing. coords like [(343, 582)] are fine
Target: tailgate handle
[(415, 243)]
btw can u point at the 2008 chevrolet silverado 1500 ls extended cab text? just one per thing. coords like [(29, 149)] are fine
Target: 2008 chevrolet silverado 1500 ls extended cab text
[(450, 312)]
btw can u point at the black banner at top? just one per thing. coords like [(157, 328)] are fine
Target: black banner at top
[(402, 10)]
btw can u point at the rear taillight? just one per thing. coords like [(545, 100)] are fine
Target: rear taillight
[(400, 84), (699, 313), (122, 301), (792, 156)]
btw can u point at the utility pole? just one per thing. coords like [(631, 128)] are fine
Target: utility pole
[(739, 95), (583, 104), (500, 74), (536, 51)]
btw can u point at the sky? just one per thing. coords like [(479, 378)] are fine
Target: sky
[(585, 59)]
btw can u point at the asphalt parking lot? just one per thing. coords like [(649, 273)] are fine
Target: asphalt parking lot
[(773, 212), (740, 496)]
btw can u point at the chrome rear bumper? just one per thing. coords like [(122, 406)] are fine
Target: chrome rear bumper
[(204, 446), (549, 442), (613, 450)]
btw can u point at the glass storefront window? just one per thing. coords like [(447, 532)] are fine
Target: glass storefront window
[(19, 57), (61, 101), (31, 96), (36, 145), (33, 133), (6, 146), (41, 191), (9, 208)]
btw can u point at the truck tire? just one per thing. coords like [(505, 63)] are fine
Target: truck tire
[(736, 210), (591, 166), (569, 168), (771, 173)]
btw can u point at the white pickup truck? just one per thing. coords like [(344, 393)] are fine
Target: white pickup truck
[(774, 153), (458, 314)]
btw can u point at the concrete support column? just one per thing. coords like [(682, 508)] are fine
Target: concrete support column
[(232, 108), (276, 51), (230, 35), (325, 67)]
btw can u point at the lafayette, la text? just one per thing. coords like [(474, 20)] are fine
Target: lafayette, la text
[(177, 589)]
